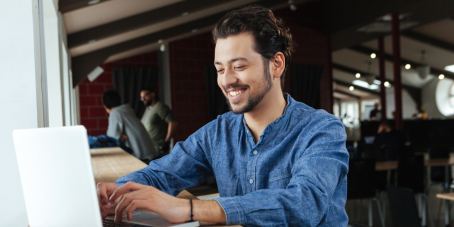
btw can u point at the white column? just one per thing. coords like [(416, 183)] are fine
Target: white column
[(23, 102), (53, 66)]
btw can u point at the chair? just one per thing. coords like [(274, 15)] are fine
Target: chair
[(410, 174), (361, 184), (402, 206), (439, 175)]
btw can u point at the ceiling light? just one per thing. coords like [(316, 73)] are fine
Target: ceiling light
[(351, 88), (92, 2), (450, 68), (358, 75), (407, 66), (387, 84), (441, 76), (365, 84), (194, 30), (162, 48), (292, 6), (184, 14), (377, 82), (373, 55)]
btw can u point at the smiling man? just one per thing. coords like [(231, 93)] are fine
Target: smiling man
[(277, 162)]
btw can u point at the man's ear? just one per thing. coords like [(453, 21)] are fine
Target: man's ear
[(278, 63)]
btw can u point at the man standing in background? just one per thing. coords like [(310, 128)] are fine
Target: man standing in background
[(158, 121), (126, 127), (375, 114)]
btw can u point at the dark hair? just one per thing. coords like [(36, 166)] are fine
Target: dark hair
[(270, 34), (151, 89), (111, 98)]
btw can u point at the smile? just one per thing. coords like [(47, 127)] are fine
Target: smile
[(235, 93)]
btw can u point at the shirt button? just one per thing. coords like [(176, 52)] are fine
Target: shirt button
[(251, 181), (255, 152)]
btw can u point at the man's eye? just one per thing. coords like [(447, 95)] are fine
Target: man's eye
[(239, 67), (220, 70)]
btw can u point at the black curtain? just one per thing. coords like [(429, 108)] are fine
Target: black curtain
[(217, 104), (306, 84), (128, 81)]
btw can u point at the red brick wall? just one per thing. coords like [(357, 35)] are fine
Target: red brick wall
[(188, 59), (313, 47), (92, 114)]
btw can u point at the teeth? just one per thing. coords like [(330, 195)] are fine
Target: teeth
[(235, 93)]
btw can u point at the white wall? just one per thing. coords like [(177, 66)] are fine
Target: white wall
[(408, 104), (431, 103), (22, 105)]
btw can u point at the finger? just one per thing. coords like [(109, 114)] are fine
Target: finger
[(134, 205), (124, 202), (102, 192), (130, 186), (103, 210)]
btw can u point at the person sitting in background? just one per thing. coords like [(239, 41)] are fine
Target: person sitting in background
[(390, 141), (375, 114), (126, 127), (158, 121)]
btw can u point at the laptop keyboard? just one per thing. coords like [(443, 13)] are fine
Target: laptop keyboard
[(111, 223)]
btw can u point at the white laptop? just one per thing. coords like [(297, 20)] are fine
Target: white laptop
[(58, 183)]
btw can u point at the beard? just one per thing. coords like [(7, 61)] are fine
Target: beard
[(253, 102), (148, 103)]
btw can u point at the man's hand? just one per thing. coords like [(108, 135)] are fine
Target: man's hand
[(105, 190), (146, 197), (123, 138), (164, 146)]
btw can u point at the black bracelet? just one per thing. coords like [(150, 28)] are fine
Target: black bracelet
[(192, 215)]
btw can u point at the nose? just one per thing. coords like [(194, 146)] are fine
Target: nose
[(228, 78)]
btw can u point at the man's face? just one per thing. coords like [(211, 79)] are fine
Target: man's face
[(243, 75), (146, 97)]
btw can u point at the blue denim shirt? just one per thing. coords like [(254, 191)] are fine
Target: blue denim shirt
[(296, 175)]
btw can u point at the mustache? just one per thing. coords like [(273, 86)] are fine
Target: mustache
[(235, 86)]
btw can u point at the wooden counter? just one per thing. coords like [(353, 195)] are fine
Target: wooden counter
[(109, 164)]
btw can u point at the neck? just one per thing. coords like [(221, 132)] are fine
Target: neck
[(268, 110), (153, 102)]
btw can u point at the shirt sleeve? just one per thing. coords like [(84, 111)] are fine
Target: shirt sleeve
[(115, 128), (166, 114), (306, 201), (186, 166)]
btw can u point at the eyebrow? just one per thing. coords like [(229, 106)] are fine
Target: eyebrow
[(232, 60)]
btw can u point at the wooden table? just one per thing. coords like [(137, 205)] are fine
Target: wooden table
[(447, 197), (392, 165), (109, 164), (446, 162)]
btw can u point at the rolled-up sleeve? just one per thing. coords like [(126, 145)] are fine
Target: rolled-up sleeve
[(186, 166)]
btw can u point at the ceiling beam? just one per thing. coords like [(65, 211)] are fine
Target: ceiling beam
[(354, 71), (429, 40), (70, 5), (389, 58), (345, 84), (348, 94), (82, 65), (414, 92), (140, 20)]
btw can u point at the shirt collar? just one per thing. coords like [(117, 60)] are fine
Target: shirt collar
[(281, 120)]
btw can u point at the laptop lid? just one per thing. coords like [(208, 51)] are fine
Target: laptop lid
[(57, 177)]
